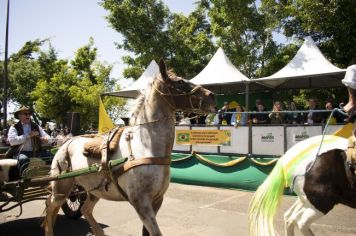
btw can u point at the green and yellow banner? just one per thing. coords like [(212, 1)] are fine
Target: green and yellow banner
[(203, 137)]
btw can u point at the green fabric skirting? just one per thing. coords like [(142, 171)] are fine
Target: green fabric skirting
[(240, 172)]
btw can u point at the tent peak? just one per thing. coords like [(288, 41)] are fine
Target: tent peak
[(219, 70)]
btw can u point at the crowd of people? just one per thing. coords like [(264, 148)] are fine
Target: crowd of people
[(281, 113)]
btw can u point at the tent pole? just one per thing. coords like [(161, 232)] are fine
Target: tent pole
[(6, 75), (247, 97)]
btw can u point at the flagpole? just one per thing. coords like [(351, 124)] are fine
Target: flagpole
[(6, 79)]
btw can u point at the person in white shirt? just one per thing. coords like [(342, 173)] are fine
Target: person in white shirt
[(25, 138), (350, 82), (185, 120)]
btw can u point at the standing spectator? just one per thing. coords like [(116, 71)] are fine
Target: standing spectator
[(293, 117), (312, 117), (212, 118), (239, 118), (225, 118), (185, 120), (201, 119), (276, 117), (327, 115), (257, 102), (337, 118), (193, 118), (261, 118)]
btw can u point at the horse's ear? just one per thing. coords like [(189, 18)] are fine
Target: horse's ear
[(163, 69)]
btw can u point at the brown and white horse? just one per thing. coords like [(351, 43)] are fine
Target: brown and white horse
[(321, 176), (149, 138)]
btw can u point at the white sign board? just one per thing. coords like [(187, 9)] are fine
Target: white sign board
[(177, 147), (239, 140), (300, 133), (268, 140), (204, 148)]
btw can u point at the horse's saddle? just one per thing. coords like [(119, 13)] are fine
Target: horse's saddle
[(94, 147)]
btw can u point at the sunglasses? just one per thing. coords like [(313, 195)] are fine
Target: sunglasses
[(26, 114)]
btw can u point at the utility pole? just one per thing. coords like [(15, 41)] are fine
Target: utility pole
[(6, 76)]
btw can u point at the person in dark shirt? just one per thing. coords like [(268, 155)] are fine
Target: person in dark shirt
[(225, 118), (312, 117), (293, 117), (260, 118), (276, 117)]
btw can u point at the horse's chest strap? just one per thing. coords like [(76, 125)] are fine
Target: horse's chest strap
[(140, 162)]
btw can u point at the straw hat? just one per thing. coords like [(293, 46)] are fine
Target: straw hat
[(22, 109)]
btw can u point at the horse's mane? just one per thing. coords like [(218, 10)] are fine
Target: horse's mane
[(139, 102), (172, 75)]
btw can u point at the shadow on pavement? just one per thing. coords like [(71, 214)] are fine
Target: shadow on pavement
[(32, 227)]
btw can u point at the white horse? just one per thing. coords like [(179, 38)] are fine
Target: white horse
[(147, 142)]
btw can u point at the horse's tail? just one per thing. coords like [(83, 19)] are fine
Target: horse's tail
[(264, 203)]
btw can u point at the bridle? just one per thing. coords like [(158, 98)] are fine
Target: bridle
[(190, 95), (172, 104), (349, 153)]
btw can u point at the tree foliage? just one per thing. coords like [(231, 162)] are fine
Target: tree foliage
[(151, 32), (332, 23), (245, 29), (53, 87)]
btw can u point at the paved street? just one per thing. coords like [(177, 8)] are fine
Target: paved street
[(187, 210)]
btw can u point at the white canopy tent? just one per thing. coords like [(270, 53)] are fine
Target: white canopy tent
[(219, 71), (220, 75), (140, 84), (308, 69)]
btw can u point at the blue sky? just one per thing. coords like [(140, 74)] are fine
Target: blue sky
[(69, 24)]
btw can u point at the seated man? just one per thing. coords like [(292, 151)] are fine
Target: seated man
[(26, 138)]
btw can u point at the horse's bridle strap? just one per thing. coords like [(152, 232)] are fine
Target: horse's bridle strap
[(139, 162)]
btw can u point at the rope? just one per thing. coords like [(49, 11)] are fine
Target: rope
[(227, 164), (183, 158), (207, 161), (326, 127), (268, 163), (321, 143)]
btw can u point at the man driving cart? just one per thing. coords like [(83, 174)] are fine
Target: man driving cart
[(26, 138)]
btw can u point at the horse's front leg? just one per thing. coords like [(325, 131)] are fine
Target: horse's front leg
[(87, 211), (156, 206), (147, 214)]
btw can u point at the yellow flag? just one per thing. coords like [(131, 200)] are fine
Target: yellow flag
[(105, 123), (345, 131)]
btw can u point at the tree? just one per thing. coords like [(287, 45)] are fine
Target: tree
[(75, 87), (242, 31), (331, 23), (151, 32), (190, 42), (142, 25)]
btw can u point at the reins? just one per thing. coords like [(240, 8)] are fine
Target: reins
[(321, 143)]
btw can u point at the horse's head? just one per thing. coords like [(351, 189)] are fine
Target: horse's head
[(181, 94)]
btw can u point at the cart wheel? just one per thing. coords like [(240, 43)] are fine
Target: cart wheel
[(71, 207)]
